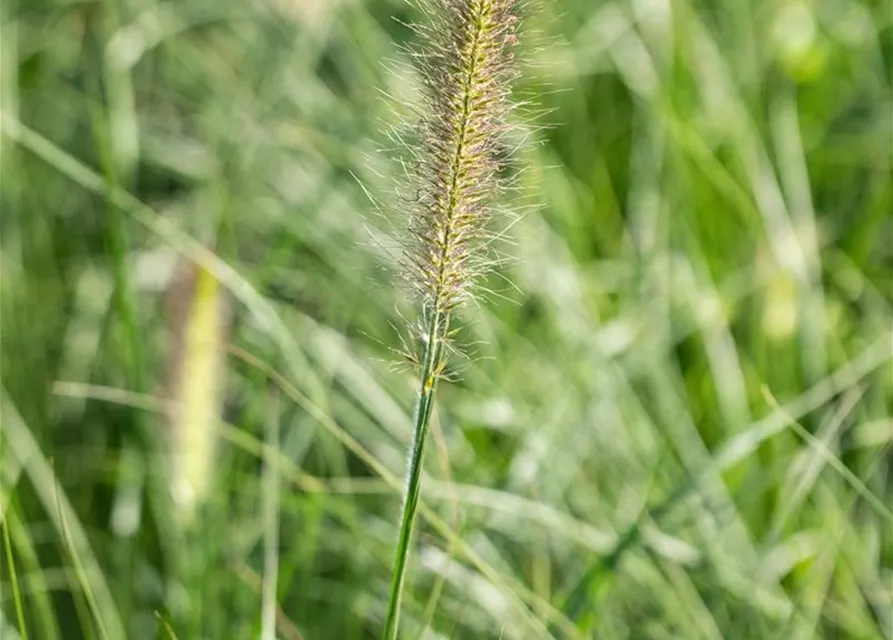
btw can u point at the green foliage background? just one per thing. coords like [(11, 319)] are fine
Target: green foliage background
[(675, 422)]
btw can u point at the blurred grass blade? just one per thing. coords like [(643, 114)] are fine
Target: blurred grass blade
[(270, 515), (13, 574), (18, 438)]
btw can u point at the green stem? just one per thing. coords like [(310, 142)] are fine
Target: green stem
[(13, 576), (430, 365)]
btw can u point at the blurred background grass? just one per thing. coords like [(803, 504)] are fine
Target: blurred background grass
[(676, 421)]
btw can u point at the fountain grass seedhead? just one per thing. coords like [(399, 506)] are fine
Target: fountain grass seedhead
[(465, 58), (199, 315), (466, 62)]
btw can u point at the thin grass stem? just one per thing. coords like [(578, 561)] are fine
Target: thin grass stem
[(432, 357), (13, 576)]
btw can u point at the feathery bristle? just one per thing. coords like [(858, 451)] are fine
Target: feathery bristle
[(466, 66)]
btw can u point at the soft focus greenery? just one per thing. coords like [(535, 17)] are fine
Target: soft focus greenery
[(674, 421)]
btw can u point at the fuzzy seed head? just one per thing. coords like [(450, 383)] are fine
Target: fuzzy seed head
[(466, 63)]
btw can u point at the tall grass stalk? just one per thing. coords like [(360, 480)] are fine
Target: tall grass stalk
[(467, 67), (13, 576)]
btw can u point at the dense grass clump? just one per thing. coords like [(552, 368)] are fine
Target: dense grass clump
[(676, 419)]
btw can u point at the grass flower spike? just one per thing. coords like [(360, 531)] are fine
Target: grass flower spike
[(467, 67)]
